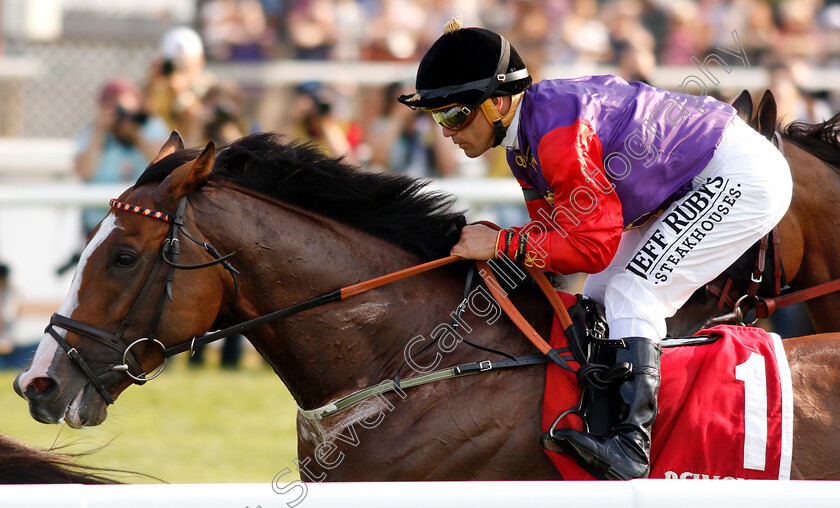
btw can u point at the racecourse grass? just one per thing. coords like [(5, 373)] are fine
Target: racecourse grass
[(190, 425)]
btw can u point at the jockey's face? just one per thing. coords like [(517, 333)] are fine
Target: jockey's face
[(477, 136)]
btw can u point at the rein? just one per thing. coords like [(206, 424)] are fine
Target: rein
[(751, 301), (332, 296), (169, 253)]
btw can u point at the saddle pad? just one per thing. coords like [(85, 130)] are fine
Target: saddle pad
[(725, 409)]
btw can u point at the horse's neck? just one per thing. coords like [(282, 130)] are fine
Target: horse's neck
[(810, 220), (340, 347)]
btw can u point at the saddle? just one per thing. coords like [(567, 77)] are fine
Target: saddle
[(710, 384), (598, 369)]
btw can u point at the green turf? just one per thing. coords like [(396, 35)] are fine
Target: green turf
[(202, 425)]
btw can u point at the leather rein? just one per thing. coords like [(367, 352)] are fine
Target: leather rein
[(751, 301), (168, 257)]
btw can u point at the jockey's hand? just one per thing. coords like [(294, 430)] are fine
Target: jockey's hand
[(477, 242)]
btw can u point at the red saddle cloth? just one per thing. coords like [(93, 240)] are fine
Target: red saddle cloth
[(725, 409)]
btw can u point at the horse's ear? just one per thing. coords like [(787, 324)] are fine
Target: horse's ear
[(744, 106), (766, 115), (174, 144), (192, 175)]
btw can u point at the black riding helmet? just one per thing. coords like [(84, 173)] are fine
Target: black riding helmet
[(468, 66), (462, 66)]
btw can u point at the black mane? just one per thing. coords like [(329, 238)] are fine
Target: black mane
[(818, 139), (392, 207), (21, 464)]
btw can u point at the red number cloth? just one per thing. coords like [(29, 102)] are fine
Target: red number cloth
[(725, 409)]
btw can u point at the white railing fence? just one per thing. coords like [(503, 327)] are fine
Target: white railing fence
[(40, 230), (632, 494)]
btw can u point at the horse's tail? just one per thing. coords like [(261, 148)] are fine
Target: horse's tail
[(20, 463)]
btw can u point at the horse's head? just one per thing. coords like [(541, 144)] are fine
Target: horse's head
[(765, 118), (128, 299)]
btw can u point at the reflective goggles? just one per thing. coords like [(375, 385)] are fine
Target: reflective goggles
[(453, 117)]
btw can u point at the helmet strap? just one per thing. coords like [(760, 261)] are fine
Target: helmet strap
[(500, 123), (488, 109), (487, 106)]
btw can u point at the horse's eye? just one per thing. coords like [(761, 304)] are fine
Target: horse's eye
[(125, 259)]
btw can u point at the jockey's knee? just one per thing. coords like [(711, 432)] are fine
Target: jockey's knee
[(633, 310)]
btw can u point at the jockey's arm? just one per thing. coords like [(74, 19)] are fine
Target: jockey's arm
[(580, 230)]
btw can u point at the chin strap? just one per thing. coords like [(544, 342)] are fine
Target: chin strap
[(500, 123), (492, 115)]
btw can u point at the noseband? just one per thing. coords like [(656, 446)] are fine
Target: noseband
[(169, 255), (169, 252)]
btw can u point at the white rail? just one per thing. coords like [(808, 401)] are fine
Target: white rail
[(471, 190), (292, 72), (40, 227), (632, 494)]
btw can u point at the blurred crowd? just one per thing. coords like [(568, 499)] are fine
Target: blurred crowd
[(788, 38), (558, 31)]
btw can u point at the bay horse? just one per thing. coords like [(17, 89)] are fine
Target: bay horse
[(297, 225), (805, 234)]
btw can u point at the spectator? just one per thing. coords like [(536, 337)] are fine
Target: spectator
[(793, 103), (830, 21), (119, 144), (311, 25), (585, 38), (530, 32), (177, 83), (236, 30), (635, 63), (800, 36), (349, 18), (685, 37), (13, 353), (626, 28), (395, 32), (312, 118), (222, 118), (406, 141)]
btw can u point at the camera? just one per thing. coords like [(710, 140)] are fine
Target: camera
[(138, 117), (320, 97), (169, 66)]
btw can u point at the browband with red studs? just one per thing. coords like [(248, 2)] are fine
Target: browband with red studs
[(148, 212)]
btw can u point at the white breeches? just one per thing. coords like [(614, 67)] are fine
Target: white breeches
[(739, 197)]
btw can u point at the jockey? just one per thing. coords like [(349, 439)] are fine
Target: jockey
[(653, 193)]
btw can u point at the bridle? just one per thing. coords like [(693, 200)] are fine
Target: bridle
[(168, 257), (169, 252), (740, 302), (751, 301)]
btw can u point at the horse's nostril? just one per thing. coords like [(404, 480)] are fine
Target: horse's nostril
[(41, 384)]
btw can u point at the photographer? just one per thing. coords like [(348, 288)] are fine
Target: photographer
[(312, 118), (223, 119), (178, 82), (120, 142)]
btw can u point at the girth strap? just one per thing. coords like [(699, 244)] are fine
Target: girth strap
[(389, 385)]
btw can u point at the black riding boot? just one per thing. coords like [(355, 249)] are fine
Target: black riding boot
[(625, 453)]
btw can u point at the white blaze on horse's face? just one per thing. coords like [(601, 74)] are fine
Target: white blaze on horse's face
[(47, 348)]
